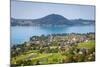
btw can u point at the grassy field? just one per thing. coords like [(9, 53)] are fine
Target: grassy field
[(89, 44), (49, 58)]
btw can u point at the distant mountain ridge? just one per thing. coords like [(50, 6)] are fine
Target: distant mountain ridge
[(52, 19)]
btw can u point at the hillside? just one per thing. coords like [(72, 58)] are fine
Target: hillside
[(52, 19)]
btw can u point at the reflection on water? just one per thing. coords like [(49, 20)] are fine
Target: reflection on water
[(20, 34)]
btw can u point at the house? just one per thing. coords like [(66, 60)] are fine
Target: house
[(84, 50)]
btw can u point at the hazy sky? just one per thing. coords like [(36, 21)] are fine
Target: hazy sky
[(33, 10)]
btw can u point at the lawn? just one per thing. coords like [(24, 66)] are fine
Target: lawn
[(88, 45)]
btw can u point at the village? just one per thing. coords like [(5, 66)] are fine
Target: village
[(68, 47)]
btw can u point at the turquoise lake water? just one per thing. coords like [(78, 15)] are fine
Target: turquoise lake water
[(20, 34)]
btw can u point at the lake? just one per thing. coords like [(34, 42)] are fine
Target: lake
[(20, 34)]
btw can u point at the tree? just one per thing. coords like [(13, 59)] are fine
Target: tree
[(37, 62)]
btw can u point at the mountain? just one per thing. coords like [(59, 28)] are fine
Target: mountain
[(83, 22), (52, 19)]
